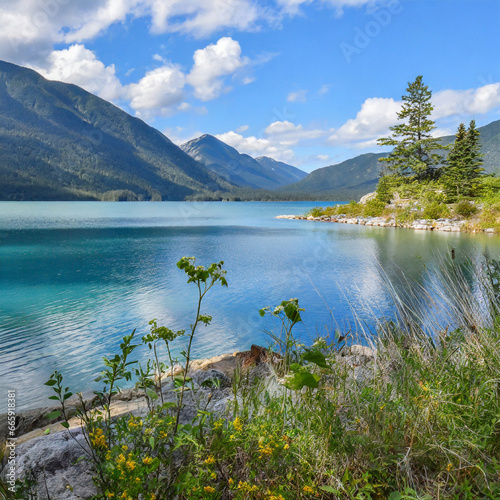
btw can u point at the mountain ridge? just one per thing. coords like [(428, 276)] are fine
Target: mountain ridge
[(58, 141), (239, 168)]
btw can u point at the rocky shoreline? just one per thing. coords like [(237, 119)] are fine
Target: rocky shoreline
[(52, 457), (446, 225)]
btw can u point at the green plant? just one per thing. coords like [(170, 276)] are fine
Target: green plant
[(465, 208), (435, 210), (373, 208)]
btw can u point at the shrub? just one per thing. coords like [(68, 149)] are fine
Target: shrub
[(373, 208), (435, 210), (465, 208), (315, 212)]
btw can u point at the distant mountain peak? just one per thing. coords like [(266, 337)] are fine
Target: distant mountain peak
[(240, 168)]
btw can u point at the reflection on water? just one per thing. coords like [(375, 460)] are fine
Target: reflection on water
[(76, 277)]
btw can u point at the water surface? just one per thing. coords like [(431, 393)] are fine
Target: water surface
[(75, 277)]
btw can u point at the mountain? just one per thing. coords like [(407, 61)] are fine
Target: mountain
[(348, 180), (59, 142), (240, 169), (357, 176), (284, 172)]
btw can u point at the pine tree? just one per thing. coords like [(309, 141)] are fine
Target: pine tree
[(413, 144), (462, 172)]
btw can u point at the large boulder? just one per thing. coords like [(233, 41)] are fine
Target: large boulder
[(51, 460)]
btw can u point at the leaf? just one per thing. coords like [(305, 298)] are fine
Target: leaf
[(51, 382), (395, 495), (152, 394), (65, 425), (47, 431), (330, 489), (315, 357), (301, 379), (152, 442), (54, 397), (67, 396), (53, 414)]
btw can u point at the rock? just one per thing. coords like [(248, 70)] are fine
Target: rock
[(211, 378), (52, 459), (359, 354), (367, 197)]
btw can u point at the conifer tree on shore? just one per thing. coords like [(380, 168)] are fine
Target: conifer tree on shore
[(414, 147)]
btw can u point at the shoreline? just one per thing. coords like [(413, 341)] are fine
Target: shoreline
[(445, 224)]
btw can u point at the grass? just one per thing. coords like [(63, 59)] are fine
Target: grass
[(422, 423)]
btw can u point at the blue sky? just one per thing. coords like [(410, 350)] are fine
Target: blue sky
[(310, 82)]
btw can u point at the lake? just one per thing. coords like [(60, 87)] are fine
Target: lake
[(75, 277)]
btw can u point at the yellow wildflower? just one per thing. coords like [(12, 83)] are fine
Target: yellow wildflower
[(307, 490), (152, 497), (231, 482), (286, 446), (147, 460), (124, 447), (121, 459), (210, 460), (238, 424), (131, 464), (449, 467), (209, 489), (213, 475)]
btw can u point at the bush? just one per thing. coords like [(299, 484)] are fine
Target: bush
[(435, 210), (465, 208), (490, 189), (373, 208), (315, 212), (352, 208)]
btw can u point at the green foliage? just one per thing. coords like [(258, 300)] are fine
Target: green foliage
[(465, 208), (435, 210), (490, 190), (414, 147), (374, 208), (315, 212), (462, 172)]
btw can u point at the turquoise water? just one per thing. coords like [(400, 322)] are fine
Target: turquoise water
[(75, 277)]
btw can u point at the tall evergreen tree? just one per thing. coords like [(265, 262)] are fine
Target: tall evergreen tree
[(413, 153), (462, 172)]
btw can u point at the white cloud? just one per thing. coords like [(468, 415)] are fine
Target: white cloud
[(292, 7), (298, 96), (203, 17), (254, 146), (289, 134), (158, 91), (374, 118), (243, 128), (80, 66), (276, 141), (211, 64), (324, 89), (466, 102)]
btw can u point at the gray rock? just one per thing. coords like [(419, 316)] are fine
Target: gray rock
[(52, 460), (211, 378)]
